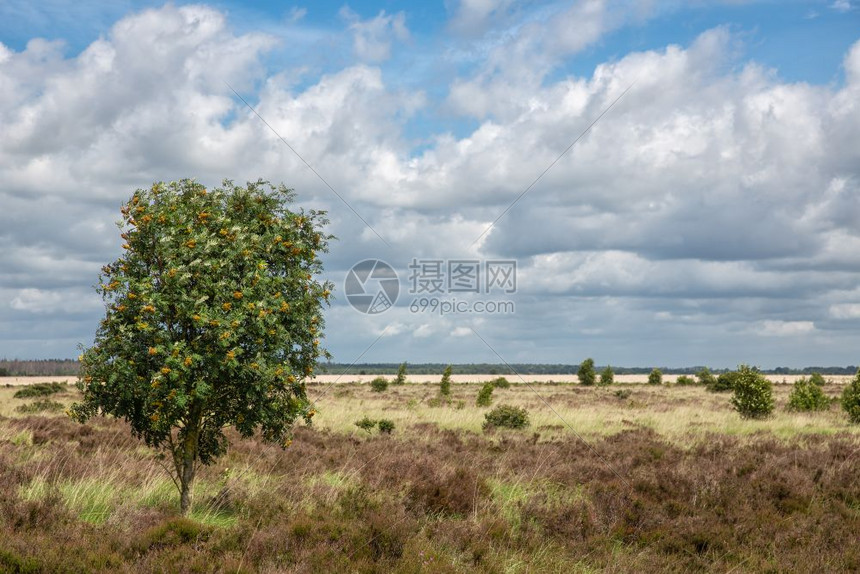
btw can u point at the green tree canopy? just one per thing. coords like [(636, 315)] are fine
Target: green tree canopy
[(213, 319), (586, 374)]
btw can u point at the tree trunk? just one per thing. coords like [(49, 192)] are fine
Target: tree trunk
[(187, 470)]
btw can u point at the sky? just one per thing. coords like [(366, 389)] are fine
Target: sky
[(648, 183)]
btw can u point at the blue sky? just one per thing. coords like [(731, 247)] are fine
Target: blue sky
[(709, 218)]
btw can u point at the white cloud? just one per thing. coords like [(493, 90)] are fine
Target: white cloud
[(841, 5), (845, 311), (785, 328), (372, 38), (715, 195)]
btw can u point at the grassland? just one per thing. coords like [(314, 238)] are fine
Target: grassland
[(659, 479)]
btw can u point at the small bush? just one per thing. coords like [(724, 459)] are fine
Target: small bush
[(607, 377), (724, 383), (807, 396), (506, 416), (39, 390), (385, 426), (445, 383), (501, 383), (401, 375), (586, 374), (851, 399), (685, 380), (485, 395), (704, 377), (656, 377), (379, 385), (41, 406), (753, 396), (623, 393), (366, 424), (817, 379)]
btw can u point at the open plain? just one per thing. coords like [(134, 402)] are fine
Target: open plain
[(623, 478)]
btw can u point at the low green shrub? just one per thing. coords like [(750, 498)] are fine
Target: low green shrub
[(385, 426), (851, 399), (366, 424), (40, 390), (656, 377), (724, 383), (753, 395), (379, 385), (501, 383), (506, 416), (685, 380), (485, 395), (704, 377), (817, 379), (586, 374), (807, 396), (40, 406), (607, 377), (623, 393)]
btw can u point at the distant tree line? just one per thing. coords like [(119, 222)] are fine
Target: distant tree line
[(38, 368), (69, 367), (547, 369)]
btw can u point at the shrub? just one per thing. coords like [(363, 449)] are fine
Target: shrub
[(724, 383), (704, 377), (385, 426), (445, 383), (607, 377), (401, 375), (623, 393), (501, 383), (485, 395), (817, 379), (40, 406), (685, 380), (39, 390), (379, 385), (656, 377), (586, 374), (366, 424), (807, 396), (506, 416), (851, 399), (753, 396)]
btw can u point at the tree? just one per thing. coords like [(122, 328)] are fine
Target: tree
[(586, 374), (213, 319), (485, 395), (655, 377), (401, 375), (807, 396), (445, 383), (753, 395), (851, 399), (607, 377)]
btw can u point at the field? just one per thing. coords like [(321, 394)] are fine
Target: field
[(625, 478)]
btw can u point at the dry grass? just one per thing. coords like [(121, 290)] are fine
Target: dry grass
[(670, 479)]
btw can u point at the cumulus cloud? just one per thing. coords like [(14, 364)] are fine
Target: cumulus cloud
[(716, 200)]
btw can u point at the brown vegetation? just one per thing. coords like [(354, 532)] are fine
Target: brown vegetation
[(79, 498)]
